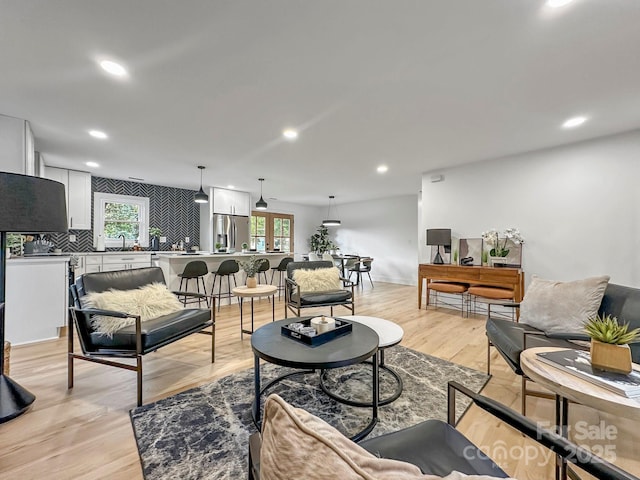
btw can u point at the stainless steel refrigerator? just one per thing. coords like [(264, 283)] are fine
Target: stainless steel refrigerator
[(231, 231)]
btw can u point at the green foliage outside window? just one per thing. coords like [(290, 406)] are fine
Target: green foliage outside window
[(121, 219)]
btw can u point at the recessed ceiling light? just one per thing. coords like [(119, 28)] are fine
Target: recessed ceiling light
[(558, 3), (574, 122), (113, 68), (92, 164), (382, 169), (231, 187), (290, 134), (98, 134)]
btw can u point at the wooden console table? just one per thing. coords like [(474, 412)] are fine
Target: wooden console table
[(491, 276)]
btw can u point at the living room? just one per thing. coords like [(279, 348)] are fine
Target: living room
[(484, 148)]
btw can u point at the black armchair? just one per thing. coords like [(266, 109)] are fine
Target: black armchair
[(295, 299), (135, 340), (437, 448), (511, 338)]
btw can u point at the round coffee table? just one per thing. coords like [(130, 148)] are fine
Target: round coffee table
[(390, 334), (270, 345), (261, 290)]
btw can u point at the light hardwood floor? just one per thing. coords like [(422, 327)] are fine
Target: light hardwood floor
[(85, 433)]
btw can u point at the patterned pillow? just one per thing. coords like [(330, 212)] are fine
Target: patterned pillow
[(318, 280), (150, 301)]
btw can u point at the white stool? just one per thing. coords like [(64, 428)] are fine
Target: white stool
[(390, 334)]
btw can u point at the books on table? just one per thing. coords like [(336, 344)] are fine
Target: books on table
[(578, 362)]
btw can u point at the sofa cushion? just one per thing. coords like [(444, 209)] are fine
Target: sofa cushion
[(296, 444), (317, 280), (556, 307), (156, 332), (508, 338), (149, 302), (318, 298)]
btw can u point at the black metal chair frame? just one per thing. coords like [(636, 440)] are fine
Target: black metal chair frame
[(293, 300), (567, 451), (104, 355), (362, 266)]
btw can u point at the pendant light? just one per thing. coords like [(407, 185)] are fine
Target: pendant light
[(201, 197), (261, 204), (330, 222)]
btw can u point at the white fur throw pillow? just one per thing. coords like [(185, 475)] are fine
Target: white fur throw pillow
[(150, 301), (318, 280), (558, 307)]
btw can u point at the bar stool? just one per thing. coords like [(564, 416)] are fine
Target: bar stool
[(228, 269), (281, 269), (263, 268), (493, 296), (451, 288), (194, 270)]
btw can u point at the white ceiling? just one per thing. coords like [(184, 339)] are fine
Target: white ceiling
[(417, 85)]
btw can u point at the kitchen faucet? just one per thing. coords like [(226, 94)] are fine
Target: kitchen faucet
[(123, 239)]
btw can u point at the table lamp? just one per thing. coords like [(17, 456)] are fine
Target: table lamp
[(27, 205), (438, 236)]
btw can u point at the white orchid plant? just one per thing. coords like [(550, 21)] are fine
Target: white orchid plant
[(498, 241)]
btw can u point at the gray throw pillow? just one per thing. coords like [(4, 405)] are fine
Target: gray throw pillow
[(557, 307)]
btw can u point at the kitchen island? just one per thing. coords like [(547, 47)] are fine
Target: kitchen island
[(173, 263)]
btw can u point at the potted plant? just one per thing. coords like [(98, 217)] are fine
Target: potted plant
[(250, 267), (245, 247), (219, 247), (499, 242), (154, 233), (320, 242), (609, 343)]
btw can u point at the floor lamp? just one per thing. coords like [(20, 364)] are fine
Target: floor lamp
[(27, 205)]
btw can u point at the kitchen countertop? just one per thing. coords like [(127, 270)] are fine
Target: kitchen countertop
[(117, 252)]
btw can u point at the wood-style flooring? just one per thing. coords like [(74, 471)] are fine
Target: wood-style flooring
[(85, 433)]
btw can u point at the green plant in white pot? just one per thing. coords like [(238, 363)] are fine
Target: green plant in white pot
[(609, 343), (245, 247)]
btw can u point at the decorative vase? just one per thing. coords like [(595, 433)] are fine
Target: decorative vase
[(609, 357), (252, 282), (497, 261), (155, 244)]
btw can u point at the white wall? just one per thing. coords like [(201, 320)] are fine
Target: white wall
[(384, 229), (576, 206)]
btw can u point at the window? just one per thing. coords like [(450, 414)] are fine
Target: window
[(271, 231), (117, 215)]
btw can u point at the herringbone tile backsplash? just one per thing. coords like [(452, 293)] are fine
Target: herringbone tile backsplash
[(170, 209)]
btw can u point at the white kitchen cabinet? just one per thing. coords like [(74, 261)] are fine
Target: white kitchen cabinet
[(78, 194), (91, 263), (37, 296), (17, 152), (231, 202)]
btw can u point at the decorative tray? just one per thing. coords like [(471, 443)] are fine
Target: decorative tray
[(342, 328)]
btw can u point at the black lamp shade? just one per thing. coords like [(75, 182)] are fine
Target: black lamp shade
[(31, 204), (201, 197), (261, 204), (439, 236)]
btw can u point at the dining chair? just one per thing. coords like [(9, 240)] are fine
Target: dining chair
[(314, 257)]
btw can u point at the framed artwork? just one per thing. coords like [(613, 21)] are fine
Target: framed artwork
[(470, 251)]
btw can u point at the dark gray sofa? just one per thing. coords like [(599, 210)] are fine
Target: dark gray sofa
[(511, 338), (136, 340)]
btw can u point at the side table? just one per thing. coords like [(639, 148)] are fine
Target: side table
[(568, 387), (390, 334), (262, 290)]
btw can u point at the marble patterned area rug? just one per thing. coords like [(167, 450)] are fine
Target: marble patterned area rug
[(203, 433)]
